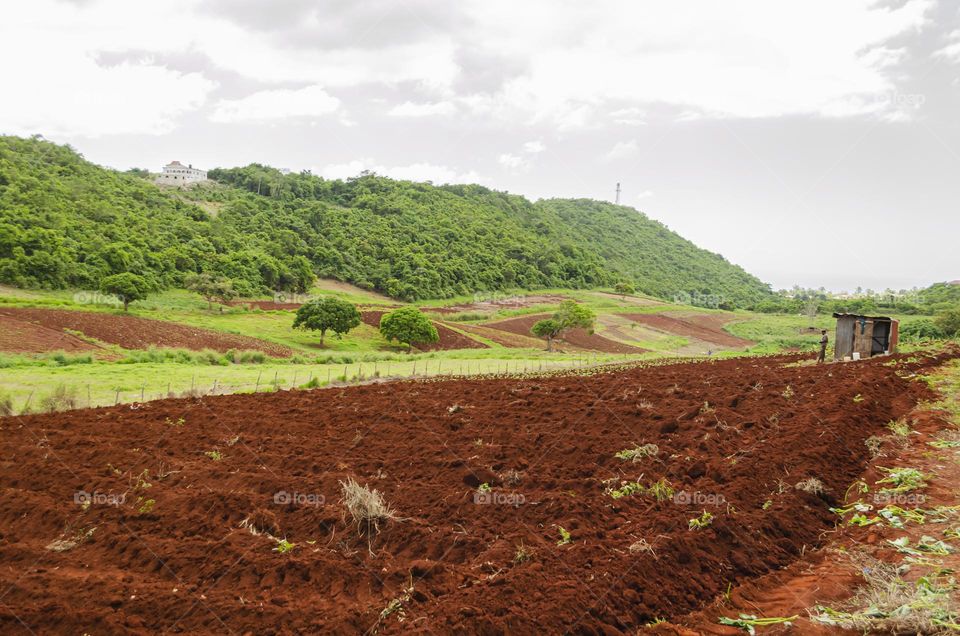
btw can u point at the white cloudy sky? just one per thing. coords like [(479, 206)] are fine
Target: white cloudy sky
[(812, 142)]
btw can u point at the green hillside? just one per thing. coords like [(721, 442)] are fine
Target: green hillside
[(65, 222)]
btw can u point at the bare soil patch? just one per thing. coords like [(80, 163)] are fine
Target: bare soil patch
[(133, 332), (21, 336), (705, 327), (578, 338), (231, 476)]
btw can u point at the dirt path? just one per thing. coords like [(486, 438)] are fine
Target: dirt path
[(503, 490), (133, 332)]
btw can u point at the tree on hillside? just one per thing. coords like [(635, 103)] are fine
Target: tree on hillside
[(325, 314), (126, 286), (409, 326), (623, 288), (949, 322), (211, 288), (570, 316)]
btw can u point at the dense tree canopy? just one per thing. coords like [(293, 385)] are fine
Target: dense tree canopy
[(65, 222), (327, 314), (409, 326), (125, 286)]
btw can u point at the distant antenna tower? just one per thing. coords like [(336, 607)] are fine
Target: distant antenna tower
[(618, 193)]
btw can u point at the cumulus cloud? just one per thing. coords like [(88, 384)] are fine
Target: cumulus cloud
[(422, 171), (272, 105), (534, 147), (951, 51), (622, 150), (411, 109), (513, 163)]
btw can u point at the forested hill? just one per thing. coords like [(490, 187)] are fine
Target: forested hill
[(65, 222)]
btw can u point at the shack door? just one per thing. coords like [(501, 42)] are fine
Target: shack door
[(863, 337)]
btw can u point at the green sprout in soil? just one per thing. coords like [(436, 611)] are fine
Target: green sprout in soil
[(638, 452), (284, 546), (701, 522), (749, 622), (767, 504), (146, 507), (627, 489), (215, 455), (857, 399), (788, 392), (661, 490), (565, 537), (484, 488), (860, 487), (179, 422), (522, 554), (902, 479), (900, 428)]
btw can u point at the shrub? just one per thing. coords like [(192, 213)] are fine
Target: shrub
[(409, 326), (62, 398)]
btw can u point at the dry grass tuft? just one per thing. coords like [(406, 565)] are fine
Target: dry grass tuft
[(365, 505), (811, 485)]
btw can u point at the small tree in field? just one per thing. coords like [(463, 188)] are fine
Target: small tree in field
[(325, 314), (569, 316), (623, 288), (409, 326), (126, 286), (212, 288)]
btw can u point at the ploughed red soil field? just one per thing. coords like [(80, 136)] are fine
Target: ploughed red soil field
[(449, 339), (706, 327), (21, 336), (575, 337), (132, 332), (168, 516)]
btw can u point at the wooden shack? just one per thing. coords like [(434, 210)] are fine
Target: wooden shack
[(864, 335)]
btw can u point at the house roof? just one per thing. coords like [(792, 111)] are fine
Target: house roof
[(174, 163), (836, 315)]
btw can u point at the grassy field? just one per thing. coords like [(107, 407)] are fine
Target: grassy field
[(361, 355)]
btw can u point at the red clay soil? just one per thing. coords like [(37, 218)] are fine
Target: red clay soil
[(829, 576), (504, 338), (132, 332), (578, 338), (448, 563), (708, 328), (20, 336), (449, 339)]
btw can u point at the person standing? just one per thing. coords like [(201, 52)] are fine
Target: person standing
[(823, 346)]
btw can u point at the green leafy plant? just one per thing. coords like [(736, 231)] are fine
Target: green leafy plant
[(749, 622), (701, 522), (902, 479), (283, 546), (565, 536), (215, 455), (637, 453)]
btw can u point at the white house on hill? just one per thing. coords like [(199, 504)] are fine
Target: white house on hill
[(177, 174)]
